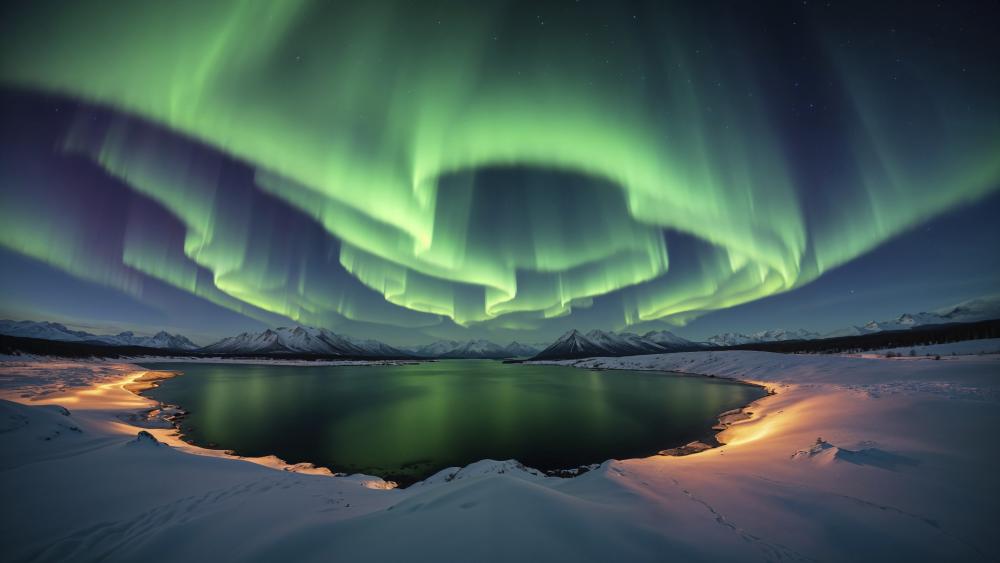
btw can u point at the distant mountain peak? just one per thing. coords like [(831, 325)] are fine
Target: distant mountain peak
[(474, 348), (55, 331), (573, 344), (771, 335), (968, 311), (981, 309), (301, 340), (666, 338)]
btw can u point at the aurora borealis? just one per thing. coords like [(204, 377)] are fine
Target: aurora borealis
[(502, 166)]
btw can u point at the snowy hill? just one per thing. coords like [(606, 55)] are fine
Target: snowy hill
[(56, 331), (300, 340)]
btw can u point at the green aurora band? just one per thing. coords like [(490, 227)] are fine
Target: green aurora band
[(500, 186)]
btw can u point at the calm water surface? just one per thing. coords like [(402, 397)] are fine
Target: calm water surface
[(407, 422)]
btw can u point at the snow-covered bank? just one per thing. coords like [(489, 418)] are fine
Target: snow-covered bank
[(966, 377), (904, 471), (104, 394)]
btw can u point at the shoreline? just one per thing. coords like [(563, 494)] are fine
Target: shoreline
[(859, 445), (155, 418), (174, 414), (171, 415), (726, 419)]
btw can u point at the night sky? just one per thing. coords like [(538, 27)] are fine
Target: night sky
[(417, 170)]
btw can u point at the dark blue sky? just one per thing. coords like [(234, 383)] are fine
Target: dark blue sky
[(521, 170)]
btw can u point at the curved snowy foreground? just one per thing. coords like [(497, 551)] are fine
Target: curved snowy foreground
[(852, 459)]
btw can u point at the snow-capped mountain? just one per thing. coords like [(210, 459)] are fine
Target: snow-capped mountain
[(729, 339), (517, 350), (436, 349), (968, 311), (473, 349), (300, 340), (477, 349), (981, 309), (574, 344), (903, 322), (44, 330), (667, 339), (624, 344), (374, 347), (774, 335), (161, 339), (56, 331)]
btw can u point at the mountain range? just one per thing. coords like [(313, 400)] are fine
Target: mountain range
[(320, 341), (281, 340), (301, 340), (55, 331), (774, 335), (474, 349), (575, 344), (966, 312)]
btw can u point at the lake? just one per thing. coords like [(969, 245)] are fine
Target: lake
[(406, 422)]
